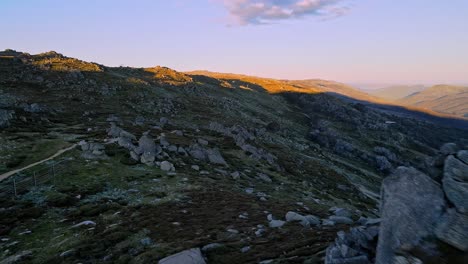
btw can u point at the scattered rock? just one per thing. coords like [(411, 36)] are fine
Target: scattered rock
[(294, 217), (264, 177), (341, 220), (166, 166), (276, 223), (214, 156), (203, 142), (235, 175), (190, 256), (195, 167), (249, 190), (84, 223), (211, 247), (245, 249), (341, 212), (67, 253)]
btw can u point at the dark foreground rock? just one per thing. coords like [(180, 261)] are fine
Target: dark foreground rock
[(412, 203)]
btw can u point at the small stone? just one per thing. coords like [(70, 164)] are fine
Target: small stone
[(85, 223), (203, 142), (276, 223), (211, 247), (341, 219), (245, 249), (67, 253), (235, 175), (195, 167), (233, 231)]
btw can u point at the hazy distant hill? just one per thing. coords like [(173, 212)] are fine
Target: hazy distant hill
[(396, 92), (448, 99)]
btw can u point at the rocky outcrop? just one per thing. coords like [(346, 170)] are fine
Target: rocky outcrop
[(453, 229), (213, 155), (92, 150), (147, 149), (355, 247), (412, 203), (242, 137), (416, 210), (455, 183)]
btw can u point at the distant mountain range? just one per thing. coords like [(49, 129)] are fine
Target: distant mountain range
[(447, 99), (396, 92)]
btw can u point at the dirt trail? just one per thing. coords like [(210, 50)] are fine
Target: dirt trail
[(58, 153)]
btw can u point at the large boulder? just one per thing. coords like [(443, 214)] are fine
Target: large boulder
[(455, 183), (411, 205), (190, 256)]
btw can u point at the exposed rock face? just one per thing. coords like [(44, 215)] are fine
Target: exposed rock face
[(453, 229), (190, 256), (463, 156), (449, 149), (412, 203), (455, 183)]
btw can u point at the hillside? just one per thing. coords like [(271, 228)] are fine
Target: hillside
[(393, 93), (447, 99), (228, 165)]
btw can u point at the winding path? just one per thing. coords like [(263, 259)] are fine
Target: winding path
[(58, 153)]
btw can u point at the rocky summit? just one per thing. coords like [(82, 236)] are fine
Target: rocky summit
[(150, 165)]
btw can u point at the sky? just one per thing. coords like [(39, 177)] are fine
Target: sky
[(362, 42)]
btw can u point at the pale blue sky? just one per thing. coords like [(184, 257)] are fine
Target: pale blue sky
[(354, 41)]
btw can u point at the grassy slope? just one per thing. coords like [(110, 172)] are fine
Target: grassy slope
[(132, 202)]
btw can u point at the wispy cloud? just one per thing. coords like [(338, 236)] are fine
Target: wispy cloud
[(245, 12)]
